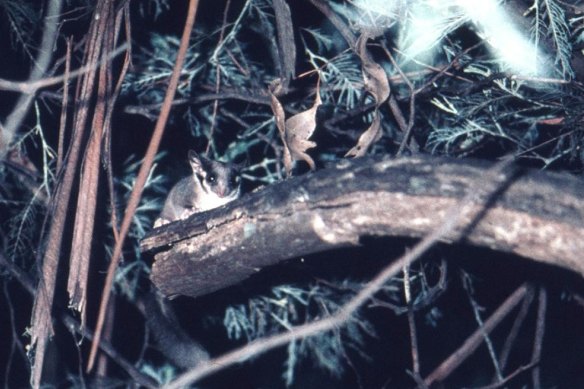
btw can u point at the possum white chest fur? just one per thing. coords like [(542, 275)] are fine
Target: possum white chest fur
[(211, 185)]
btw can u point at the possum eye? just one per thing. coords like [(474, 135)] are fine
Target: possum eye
[(212, 178)]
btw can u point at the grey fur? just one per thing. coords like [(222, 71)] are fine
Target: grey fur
[(172, 341), (211, 185)]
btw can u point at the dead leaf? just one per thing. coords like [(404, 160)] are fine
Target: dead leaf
[(278, 111), (280, 117), (377, 84), (370, 136), (296, 130), (299, 128), (374, 76)]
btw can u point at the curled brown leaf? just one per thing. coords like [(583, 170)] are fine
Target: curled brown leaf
[(367, 138), (295, 131), (374, 76), (280, 117), (377, 84), (299, 128)]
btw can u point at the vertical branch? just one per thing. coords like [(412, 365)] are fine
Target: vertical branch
[(406, 129), (77, 329), (65, 99), (41, 322), (122, 16), (476, 311), (218, 78), (40, 66), (411, 323), (538, 341), (87, 199), (286, 44), (142, 177)]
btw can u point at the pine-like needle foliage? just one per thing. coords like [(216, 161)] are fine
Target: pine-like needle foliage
[(288, 306)]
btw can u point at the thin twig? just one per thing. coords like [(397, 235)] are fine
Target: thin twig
[(411, 323), (246, 96), (336, 20), (64, 101), (41, 64), (504, 382), (538, 341), (444, 70), (31, 87), (16, 344), (504, 355), (217, 78), (476, 312), (472, 342), (143, 176), (410, 125)]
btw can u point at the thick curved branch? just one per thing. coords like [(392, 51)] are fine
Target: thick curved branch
[(539, 215), (495, 179)]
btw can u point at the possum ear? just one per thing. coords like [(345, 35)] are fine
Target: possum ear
[(196, 163)]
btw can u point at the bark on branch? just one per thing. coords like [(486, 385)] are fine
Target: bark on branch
[(539, 215)]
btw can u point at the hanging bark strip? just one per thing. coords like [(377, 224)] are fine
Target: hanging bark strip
[(122, 17), (41, 322), (88, 187), (286, 45), (142, 177)]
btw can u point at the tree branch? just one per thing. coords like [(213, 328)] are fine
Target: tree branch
[(50, 30), (334, 208), (468, 210)]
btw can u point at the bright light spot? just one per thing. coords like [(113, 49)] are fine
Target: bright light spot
[(511, 45), (431, 20), (382, 7)]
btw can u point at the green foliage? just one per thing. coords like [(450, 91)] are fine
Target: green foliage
[(152, 196), (131, 273), (154, 8), (290, 305), (23, 202), (24, 17), (148, 84), (550, 21), (162, 374)]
